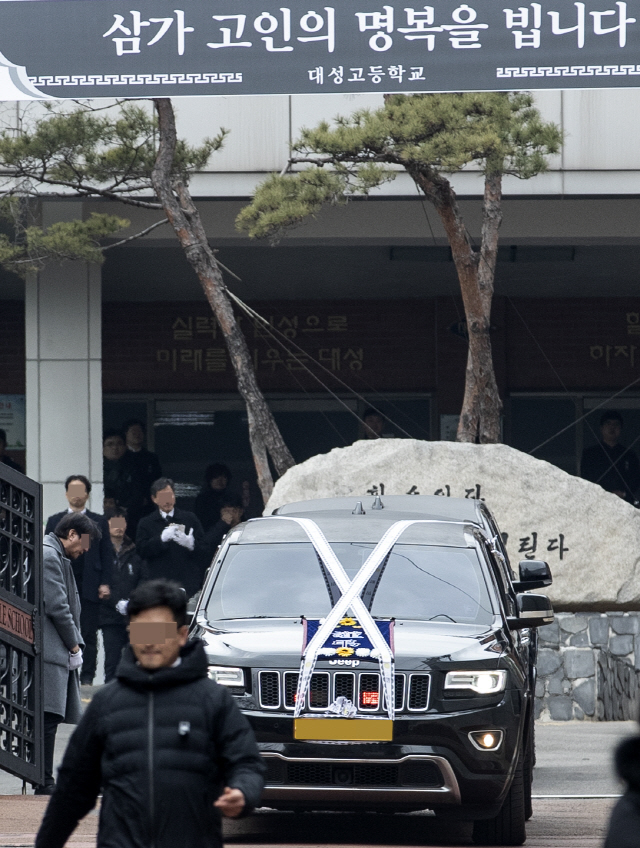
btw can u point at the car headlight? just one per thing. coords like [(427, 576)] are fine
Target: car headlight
[(481, 682), (226, 675)]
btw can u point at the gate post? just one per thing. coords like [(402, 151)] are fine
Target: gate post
[(21, 610)]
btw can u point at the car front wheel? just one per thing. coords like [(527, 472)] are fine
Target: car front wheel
[(508, 827)]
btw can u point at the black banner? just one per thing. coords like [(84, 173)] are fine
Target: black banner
[(143, 48)]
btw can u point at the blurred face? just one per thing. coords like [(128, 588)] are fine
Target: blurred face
[(165, 499), (135, 436), (156, 638), (611, 431), (77, 495), (376, 423), (231, 515), (75, 545), (113, 447), (219, 483), (117, 527)]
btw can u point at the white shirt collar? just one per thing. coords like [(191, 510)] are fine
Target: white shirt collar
[(82, 511), (167, 514), (134, 450), (176, 663)]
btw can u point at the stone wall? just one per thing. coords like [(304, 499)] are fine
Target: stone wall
[(589, 667)]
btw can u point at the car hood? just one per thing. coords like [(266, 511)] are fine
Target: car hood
[(277, 643)]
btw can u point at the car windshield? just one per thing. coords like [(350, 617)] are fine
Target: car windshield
[(285, 580)]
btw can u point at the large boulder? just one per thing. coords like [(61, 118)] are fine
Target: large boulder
[(590, 538)]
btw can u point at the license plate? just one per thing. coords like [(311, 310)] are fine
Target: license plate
[(343, 729)]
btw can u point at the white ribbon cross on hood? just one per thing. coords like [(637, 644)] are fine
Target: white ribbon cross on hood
[(350, 599)]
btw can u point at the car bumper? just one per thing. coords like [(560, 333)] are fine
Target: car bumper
[(349, 796)]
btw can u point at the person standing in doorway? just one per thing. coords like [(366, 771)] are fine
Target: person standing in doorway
[(374, 425), (121, 480), (128, 572), (610, 464), (210, 498), (166, 746), (62, 639), (92, 569), (170, 540), (146, 467), (231, 514)]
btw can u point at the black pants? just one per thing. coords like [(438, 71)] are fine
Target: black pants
[(115, 638), (51, 722), (89, 625)]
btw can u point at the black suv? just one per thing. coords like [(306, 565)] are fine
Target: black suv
[(460, 740)]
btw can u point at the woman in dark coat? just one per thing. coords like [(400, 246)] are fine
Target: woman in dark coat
[(624, 827)]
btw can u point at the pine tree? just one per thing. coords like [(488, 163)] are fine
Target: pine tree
[(131, 155), (430, 136)]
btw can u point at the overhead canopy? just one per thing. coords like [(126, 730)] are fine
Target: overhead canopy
[(104, 48)]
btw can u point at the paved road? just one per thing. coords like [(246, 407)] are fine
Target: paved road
[(574, 759)]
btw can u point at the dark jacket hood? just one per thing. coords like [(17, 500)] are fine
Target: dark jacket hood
[(193, 666), (628, 762)]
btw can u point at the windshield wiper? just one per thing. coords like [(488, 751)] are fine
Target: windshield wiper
[(442, 615)]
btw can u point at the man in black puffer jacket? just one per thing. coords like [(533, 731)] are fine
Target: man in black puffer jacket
[(624, 827), (167, 746)]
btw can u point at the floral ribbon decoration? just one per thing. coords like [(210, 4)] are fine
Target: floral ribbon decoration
[(350, 600)]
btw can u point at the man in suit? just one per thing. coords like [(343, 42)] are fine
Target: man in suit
[(171, 540), (92, 570), (72, 537)]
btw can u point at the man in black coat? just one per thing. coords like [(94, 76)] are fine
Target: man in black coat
[(167, 746), (170, 540), (92, 570)]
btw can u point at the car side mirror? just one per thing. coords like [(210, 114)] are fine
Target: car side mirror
[(534, 574), (533, 611)]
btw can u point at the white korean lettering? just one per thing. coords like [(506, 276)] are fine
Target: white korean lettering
[(316, 75), (381, 21), (337, 74), (131, 44), (416, 74), (519, 21), (396, 72), (556, 29), (226, 32), (623, 20), (313, 22), (464, 34), (419, 26), (357, 75), (271, 26)]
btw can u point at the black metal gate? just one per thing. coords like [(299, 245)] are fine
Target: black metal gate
[(21, 705)]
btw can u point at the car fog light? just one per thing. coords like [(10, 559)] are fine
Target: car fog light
[(227, 676), (481, 682), (486, 740)]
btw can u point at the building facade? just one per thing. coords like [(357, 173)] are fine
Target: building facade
[(365, 296)]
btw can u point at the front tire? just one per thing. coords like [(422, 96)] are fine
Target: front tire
[(508, 827), (529, 761)]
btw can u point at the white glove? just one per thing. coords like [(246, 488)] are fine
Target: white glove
[(169, 534), (121, 606), (75, 660), (185, 539)]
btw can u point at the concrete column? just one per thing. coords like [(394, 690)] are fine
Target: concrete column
[(63, 315)]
